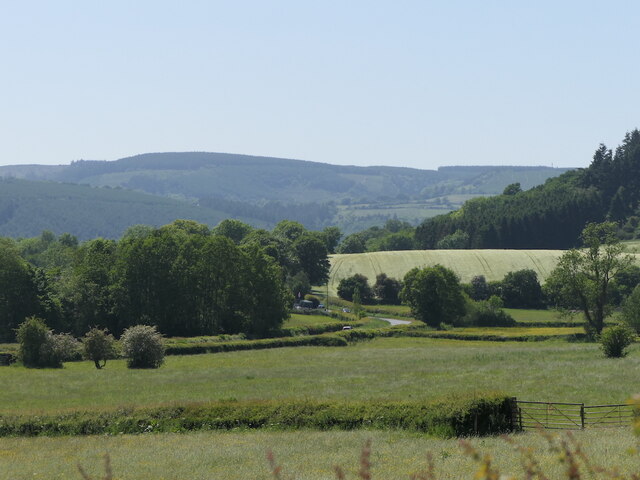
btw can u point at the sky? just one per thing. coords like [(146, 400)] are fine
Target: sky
[(417, 84)]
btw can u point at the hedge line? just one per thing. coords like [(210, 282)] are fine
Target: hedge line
[(489, 414), (215, 347), (344, 337)]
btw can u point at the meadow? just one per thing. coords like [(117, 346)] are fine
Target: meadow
[(413, 369)]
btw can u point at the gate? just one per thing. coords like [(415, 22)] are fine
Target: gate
[(548, 415), (570, 416), (602, 416)]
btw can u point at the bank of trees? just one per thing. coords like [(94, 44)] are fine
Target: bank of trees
[(550, 215), (182, 278)]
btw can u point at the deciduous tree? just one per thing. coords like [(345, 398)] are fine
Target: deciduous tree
[(434, 295), (583, 276)]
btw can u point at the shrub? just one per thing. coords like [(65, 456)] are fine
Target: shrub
[(143, 346), (31, 335), (39, 347), (99, 346), (615, 340), (485, 314), (58, 348)]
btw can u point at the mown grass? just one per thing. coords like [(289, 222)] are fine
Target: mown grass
[(304, 455), (411, 369)]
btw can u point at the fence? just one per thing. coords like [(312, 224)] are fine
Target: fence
[(570, 416)]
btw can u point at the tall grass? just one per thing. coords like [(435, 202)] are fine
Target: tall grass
[(303, 455)]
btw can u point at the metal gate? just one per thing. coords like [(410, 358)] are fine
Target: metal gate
[(570, 416)]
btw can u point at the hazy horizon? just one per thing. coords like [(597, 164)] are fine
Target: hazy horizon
[(282, 158), (409, 84)]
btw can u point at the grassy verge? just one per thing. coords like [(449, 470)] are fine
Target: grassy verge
[(304, 454), (389, 369)]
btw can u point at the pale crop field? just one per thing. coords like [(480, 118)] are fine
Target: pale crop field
[(493, 264), (303, 455)]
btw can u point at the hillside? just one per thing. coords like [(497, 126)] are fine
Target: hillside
[(267, 190), (551, 215), (27, 208), (197, 175)]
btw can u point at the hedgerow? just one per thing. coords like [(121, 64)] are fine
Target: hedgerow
[(215, 347), (448, 417)]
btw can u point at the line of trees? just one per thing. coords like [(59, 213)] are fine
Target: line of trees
[(594, 280), (183, 278)]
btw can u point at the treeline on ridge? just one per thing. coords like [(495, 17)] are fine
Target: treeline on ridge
[(548, 216)]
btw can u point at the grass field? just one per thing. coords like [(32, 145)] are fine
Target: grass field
[(302, 320), (387, 369), (303, 455)]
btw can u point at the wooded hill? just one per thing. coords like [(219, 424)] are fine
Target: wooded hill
[(27, 208), (258, 190), (551, 215)]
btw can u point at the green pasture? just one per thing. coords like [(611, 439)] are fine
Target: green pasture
[(522, 315), (412, 369), (303, 320), (304, 455)]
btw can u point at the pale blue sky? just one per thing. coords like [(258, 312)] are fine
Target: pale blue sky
[(404, 83)]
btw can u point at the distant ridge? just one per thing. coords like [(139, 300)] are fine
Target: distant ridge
[(264, 190)]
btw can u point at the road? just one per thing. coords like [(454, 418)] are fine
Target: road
[(393, 321)]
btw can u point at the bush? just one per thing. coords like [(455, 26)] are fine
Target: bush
[(485, 314), (99, 346), (31, 335), (615, 340), (39, 347), (143, 346), (61, 347)]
